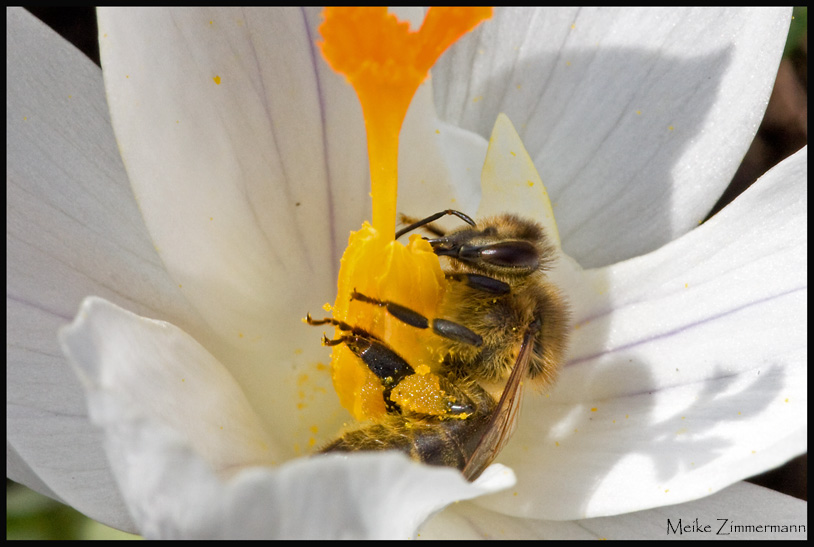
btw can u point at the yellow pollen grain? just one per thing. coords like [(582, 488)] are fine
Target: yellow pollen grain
[(593, 409), (216, 79), (670, 128)]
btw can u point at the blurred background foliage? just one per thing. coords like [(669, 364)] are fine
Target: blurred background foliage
[(784, 130)]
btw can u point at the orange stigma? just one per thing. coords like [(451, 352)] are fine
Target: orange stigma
[(385, 62)]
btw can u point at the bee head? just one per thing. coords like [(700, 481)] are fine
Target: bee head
[(503, 245)]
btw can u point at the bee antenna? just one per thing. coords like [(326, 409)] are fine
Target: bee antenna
[(433, 218)]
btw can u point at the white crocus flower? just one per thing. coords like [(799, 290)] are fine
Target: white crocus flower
[(246, 156)]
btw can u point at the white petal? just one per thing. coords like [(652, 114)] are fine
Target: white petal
[(636, 118), (228, 122), (183, 442), (73, 229), (154, 371), (741, 505), (687, 369)]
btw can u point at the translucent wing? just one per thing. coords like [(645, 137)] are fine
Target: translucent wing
[(504, 419)]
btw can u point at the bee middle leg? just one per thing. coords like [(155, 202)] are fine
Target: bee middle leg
[(442, 327)]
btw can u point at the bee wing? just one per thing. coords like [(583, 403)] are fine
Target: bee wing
[(504, 419)]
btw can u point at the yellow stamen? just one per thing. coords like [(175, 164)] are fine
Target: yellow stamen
[(379, 267), (386, 62)]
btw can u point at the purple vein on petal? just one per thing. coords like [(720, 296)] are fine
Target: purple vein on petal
[(263, 94), (685, 327), (38, 306), (315, 59)]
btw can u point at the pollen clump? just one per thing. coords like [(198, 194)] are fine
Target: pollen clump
[(422, 394)]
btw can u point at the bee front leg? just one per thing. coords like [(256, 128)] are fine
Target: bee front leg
[(481, 282)]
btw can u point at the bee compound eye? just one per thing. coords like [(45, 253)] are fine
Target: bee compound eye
[(511, 254)]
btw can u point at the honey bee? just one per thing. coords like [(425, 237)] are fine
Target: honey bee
[(500, 321)]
